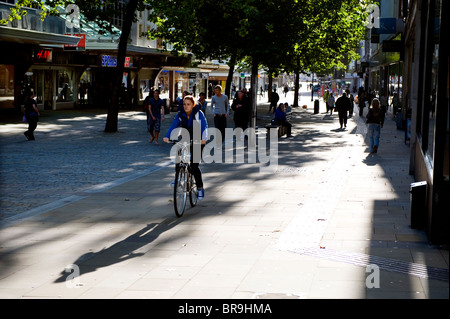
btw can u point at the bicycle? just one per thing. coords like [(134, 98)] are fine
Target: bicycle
[(184, 180)]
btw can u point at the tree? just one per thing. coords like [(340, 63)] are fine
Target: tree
[(285, 35), (101, 12), (209, 29)]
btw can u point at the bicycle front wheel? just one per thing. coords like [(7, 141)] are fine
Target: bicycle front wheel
[(180, 191), (192, 191)]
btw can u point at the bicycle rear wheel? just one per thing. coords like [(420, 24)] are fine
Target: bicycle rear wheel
[(192, 190), (180, 191)]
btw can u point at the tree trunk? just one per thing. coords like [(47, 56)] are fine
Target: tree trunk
[(297, 87), (254, 90), (113, 109), (270, 87), (231, 64)]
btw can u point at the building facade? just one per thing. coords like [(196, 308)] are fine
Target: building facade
[(403, 54), (70, 65), (426, 102)]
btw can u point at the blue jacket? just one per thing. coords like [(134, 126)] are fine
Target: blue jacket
[(280, 116), (197, 118)]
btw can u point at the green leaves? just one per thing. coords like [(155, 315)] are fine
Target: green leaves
[(284, 35)]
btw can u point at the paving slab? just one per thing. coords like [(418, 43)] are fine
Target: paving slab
[(309, 231)]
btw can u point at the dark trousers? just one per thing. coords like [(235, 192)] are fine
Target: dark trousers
[(343, 118), (274, 106), (32, 124), (242, 123), (361, 108), (195, 168), (220, 122), (287, 125)]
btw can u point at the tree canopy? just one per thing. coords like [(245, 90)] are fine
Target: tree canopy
[(279, 35), (321, 33)]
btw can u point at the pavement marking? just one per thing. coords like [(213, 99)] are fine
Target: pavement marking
[(304, 234), (388, 264), (34, 212)]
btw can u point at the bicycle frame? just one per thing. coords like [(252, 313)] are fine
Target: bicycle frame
[(184, 180)]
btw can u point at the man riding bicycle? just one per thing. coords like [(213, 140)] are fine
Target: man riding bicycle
[(192, 119)]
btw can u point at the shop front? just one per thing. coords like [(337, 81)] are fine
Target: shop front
[(426, 92), (27, 64)]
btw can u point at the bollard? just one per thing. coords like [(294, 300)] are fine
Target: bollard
[(418, 197), (316, 107)]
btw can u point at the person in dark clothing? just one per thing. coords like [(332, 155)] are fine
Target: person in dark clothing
[(241, 107), (32, 115), (274, 98), (375, 120), (361, 100), (352, 104), (343, 105), (280, 119), (156, 113)]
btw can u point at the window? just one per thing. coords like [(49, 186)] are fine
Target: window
[(65, 87), (429, 106)]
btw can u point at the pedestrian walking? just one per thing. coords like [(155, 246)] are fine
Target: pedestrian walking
[(202, 102), (361, 100), (342, 107), (286, 89), (241, 108), (330, 103), (280, 119), (375, 121), (32, 114), (396, 106), (384, 100), (326, 95), (274, 98), (220, 108), (352, 104), (156, 114), (188, 118)]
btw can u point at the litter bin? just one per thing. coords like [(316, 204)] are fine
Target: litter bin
[(418, 195), (316, 106)]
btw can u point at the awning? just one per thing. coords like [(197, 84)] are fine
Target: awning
[(8, 34)]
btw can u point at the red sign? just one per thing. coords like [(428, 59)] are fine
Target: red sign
[(43, 55), (80, 46)]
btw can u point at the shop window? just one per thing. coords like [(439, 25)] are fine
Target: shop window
[(430, 100), (65, 89), (6, 85)]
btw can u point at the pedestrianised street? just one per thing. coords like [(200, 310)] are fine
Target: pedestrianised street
[(89, 214)]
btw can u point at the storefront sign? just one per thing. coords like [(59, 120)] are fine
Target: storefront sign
[(80, 46), (43, 55), (111, 61)]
